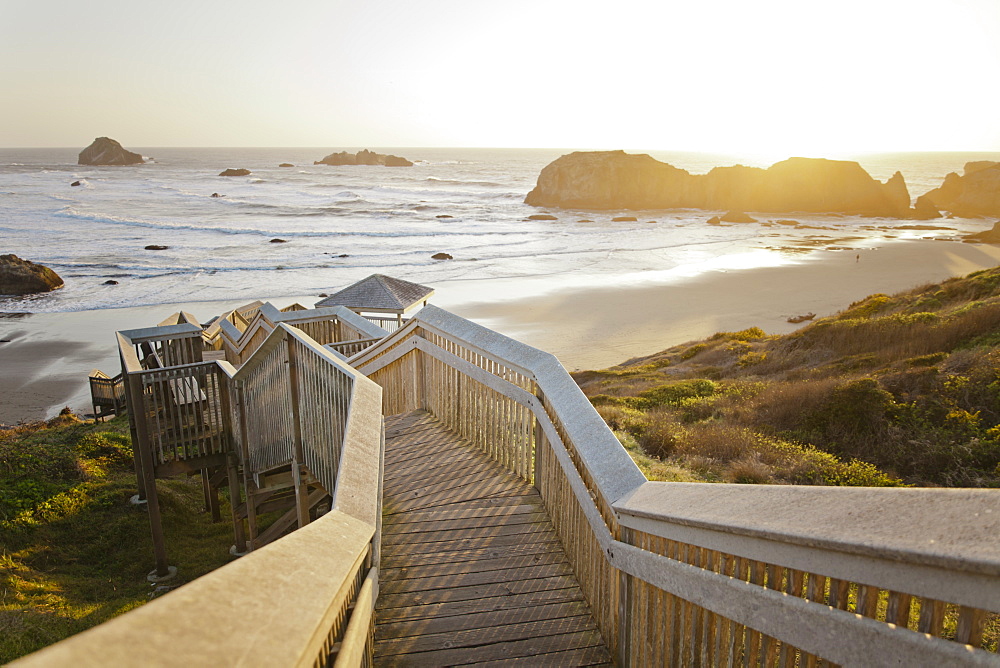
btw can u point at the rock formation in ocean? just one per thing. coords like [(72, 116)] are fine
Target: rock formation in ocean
[(106, 151), (991, 236), (737, 217), (364, 157), (617, 180), (235, 172), (975, 193), (22, 277)]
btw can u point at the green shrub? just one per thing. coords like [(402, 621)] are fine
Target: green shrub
[(750, 334), (672, 393), (693, 350), (867, 307)]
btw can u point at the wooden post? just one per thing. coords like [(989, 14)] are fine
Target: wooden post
[(301, 494), (538, 465), (251, 502), (148, 477), (624, 625), (135, 413), (232, 473)]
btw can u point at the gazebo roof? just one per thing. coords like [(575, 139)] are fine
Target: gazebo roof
[(379, 293)]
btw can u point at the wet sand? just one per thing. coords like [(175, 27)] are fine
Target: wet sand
[(45, 358)]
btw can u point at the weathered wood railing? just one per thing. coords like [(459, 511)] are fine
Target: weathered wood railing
[(676, 574), (306, 600), (709, 574), (386, 322), (330, 325), (107, 395)]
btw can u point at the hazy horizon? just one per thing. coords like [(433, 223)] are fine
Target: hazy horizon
[(775, 78)]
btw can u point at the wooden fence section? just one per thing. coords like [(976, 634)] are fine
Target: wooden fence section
[(266, 428), (472, 569), (337, 325), (670, 585)]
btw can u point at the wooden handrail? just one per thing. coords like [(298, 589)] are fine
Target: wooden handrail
[(719, 550)]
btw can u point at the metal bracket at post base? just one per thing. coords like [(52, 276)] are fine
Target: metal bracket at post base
[(170, 575)]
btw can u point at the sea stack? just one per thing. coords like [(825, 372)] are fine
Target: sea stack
[(106, 151), (21, 277), (364, 157), (975, 193), (617, 180)]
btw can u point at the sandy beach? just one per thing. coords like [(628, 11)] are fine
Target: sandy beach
[(45, 358)]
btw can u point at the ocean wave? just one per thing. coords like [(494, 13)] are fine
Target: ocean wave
[(70, 212), (462, 182)]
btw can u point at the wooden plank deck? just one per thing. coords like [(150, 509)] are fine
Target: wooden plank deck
[(472, 570)]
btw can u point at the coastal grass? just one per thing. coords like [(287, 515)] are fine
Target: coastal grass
[(73, 551), (900, 389)]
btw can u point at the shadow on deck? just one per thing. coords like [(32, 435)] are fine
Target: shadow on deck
[(472, 569)]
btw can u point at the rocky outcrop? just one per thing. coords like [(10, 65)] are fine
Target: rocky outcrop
[(364, 157), (106, 151), (737, 217), (991, 236), (617, 180), (21, 277), (235, 172), (924, 209), (975, 193)]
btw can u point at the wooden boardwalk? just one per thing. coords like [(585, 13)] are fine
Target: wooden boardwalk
[(472, 570)]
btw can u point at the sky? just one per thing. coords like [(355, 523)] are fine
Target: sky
[(768, 77)]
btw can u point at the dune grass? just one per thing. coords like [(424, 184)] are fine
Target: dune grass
[(73, 551), (901, 389)]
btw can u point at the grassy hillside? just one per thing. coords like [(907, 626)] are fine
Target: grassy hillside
[(901, 389), (73, 551)]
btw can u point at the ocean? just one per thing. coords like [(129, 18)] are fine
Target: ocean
[(340, 224)]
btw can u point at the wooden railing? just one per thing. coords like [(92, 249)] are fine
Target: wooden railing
[(675, 574), (386, 322), (107, 395), (333, 325), (305, 600), (696, 574)]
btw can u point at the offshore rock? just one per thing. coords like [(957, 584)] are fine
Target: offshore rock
[(364, 157), (924, 209), (737, 217), (234, 172), (22, 277), (991, 236), (975, 193), (617, 180), (106, 151)]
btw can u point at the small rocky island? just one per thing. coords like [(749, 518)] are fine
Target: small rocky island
[(22, 277), (975, 193), (364, 157), (107, 151), (617, 180)]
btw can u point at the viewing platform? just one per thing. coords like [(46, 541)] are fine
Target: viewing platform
[(445, 495)]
